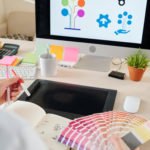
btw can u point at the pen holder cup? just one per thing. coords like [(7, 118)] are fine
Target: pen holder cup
[(48, 65)]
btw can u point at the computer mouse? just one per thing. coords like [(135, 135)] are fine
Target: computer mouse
[(132, 104)]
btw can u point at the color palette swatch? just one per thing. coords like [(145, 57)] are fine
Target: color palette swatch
[(139, 135), (93, 132)]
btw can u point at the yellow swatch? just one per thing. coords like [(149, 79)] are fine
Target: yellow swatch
[(57, 50), (142, 133)]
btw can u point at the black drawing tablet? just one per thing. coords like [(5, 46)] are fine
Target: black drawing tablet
[(70, 100)]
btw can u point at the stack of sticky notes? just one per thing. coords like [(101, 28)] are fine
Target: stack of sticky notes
[(69, 54), (10, 60), (30, 58)]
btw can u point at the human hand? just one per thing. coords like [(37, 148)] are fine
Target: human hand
[(15, 88), (119, 144)]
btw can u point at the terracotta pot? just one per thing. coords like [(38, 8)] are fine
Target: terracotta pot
[(135, 73)]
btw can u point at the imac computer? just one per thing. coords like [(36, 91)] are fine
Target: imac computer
[(101, 29)]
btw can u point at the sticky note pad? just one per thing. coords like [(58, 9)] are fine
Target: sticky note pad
[(71, 54), (16, 62), (58, 51), (7, 60), (31, 58)]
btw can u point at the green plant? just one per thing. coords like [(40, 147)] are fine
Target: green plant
[(138, 59)]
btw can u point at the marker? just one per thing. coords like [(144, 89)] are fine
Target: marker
[(21, 83)]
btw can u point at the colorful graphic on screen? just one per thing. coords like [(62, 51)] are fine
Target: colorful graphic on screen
[(103, 20), (125, 20), (72, 10), (121, 2), (120, 20)]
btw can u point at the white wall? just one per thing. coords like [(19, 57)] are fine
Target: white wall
[(18, 5), (2, 11)]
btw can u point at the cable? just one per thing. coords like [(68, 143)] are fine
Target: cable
[(118, 61)]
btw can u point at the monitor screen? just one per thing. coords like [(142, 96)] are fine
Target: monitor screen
[(98, 20), (110, 22)]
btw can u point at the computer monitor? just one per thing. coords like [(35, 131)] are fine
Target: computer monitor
[(110, 28)]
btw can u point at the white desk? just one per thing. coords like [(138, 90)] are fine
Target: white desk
[(101, 79)]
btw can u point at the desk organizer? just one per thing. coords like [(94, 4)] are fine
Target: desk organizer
[(70, 100)]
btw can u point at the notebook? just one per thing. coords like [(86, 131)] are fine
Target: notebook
[(48, 126)]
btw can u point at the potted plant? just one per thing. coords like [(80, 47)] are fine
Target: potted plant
[(137, 64)]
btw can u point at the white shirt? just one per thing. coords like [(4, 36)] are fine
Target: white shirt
[(16, 134)]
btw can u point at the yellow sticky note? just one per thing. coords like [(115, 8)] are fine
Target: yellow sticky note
[(57, 50), (16, 62)]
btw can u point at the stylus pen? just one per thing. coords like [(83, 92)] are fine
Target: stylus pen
[(22, 84)]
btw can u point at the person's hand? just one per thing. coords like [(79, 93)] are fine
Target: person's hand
[(14, 88), (118, 143)]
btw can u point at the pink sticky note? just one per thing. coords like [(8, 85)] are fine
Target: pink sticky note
[(7, 60), (71, 54)]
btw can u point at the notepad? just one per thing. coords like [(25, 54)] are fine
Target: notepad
[(8, 60), (58, 51), (30, 58), (71, 54), (48, 126), (17, 61)]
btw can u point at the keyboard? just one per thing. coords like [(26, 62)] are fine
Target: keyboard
[(25, 72)]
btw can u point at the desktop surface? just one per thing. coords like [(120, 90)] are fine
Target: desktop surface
[(101, 80), (96, 79), (70, 100)]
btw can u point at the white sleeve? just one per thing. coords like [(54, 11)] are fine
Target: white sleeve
[(16, 134)]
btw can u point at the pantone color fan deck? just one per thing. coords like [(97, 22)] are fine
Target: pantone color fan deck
[(93, 132)]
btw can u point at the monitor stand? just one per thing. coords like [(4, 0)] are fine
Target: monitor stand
[(96, 63)]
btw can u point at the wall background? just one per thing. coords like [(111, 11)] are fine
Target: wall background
[(7, 6), (2, 12)]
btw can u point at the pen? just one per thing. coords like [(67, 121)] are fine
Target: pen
[(8, 88), (22, 84)]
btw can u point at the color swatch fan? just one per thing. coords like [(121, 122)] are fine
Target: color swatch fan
[(93, 132)]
